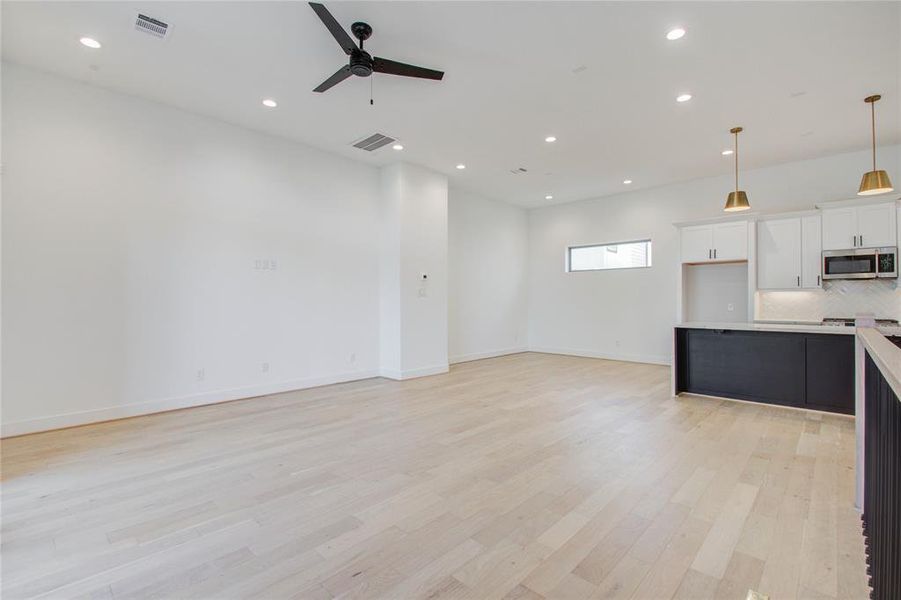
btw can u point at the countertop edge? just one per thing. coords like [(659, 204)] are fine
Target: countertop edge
[(785, 328), (885, 354)]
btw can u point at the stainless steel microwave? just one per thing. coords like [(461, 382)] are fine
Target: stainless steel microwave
[(860, 263)]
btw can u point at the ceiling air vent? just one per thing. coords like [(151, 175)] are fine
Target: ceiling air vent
[(152, 26), (519, 171), (374, 142)]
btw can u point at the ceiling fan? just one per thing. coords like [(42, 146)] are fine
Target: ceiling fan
[(361, 63)]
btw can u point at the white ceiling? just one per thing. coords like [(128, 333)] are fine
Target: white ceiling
[(792, 73)]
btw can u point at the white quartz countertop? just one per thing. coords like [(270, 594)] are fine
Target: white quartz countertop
[(784, 327)]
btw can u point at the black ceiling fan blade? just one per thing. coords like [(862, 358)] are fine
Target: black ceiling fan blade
[(347, 44), (339, 76), (392, 67)]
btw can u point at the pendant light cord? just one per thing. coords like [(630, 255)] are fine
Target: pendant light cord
[(736, 163), (873, 123)]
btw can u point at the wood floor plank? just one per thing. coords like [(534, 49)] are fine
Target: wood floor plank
[(529, 476)]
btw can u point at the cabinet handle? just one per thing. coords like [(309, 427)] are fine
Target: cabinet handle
[(709, 253), (714, 253), (818, 280), (855, 241), (799, 281), (861, 240)]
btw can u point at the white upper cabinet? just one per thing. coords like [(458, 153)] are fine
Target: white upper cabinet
[(779, 254), (715, 243), (839, 228), (730, 241), (697, 243), (811, 252), (788, 253), (867, 226), (876, 226)]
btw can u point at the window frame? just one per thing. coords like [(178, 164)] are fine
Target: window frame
[(569, 249)]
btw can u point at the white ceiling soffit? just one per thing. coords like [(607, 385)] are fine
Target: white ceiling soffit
[(601, 77)]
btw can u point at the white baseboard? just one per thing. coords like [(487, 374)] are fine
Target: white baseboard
[(650, 359), (413, 373), (166, 404), (461, 358)]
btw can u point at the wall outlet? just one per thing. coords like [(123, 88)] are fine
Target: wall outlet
[(201, 374), (353, 357), (617, 343), (730, 307), (264, 367)]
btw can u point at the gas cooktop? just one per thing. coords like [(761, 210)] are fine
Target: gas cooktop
[(849, 322)]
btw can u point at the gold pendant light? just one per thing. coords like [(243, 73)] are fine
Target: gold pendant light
[(737, 200), (875, 181)]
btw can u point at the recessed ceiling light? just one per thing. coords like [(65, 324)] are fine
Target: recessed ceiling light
[(683, 97), (627, 181), (548, 197), (550, 139), (270, 103), (461, 166), (398, 146), (727, 152), (675, 33), (89, 42)]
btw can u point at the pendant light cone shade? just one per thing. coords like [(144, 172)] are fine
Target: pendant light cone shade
[(876, 181), (738, 200)]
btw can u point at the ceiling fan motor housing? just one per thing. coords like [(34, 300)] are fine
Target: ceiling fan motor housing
[(360, 63)]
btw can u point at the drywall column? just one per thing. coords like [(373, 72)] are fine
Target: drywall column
[(412, 272)]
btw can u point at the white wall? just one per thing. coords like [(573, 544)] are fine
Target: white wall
[(628, 314), (487, 253), (413, 222), (711, 290), (131, 233)]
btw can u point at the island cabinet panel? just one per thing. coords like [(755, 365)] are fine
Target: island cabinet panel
[(830, 372), (790, 369)]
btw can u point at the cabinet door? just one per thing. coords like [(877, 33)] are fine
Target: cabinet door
[(876, 225), (697, 243), (839, 228), (830, 373), (730, 241), (779, 254), (811, 251)]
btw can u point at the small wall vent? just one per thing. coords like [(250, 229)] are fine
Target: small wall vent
[(374, 142), (152, 26)]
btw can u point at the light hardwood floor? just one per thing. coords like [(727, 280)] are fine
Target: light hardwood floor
[(525, 476)]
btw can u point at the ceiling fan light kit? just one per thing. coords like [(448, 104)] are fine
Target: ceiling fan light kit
[(360, 62)]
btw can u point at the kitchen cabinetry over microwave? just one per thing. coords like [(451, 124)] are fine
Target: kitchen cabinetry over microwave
[(718, 242), (788, 253), (866, 226)]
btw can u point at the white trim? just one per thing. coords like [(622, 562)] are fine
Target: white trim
[(637, 358), (888, 198), (727, 218), (413, 373), (136, 409), (462, 358)]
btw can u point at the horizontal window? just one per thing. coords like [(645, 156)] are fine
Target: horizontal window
[(625, 255)]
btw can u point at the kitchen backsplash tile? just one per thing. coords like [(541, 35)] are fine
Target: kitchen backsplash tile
[(842, 298)]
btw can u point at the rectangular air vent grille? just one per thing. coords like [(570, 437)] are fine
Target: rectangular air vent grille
[(374, 142), (152, 26)]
